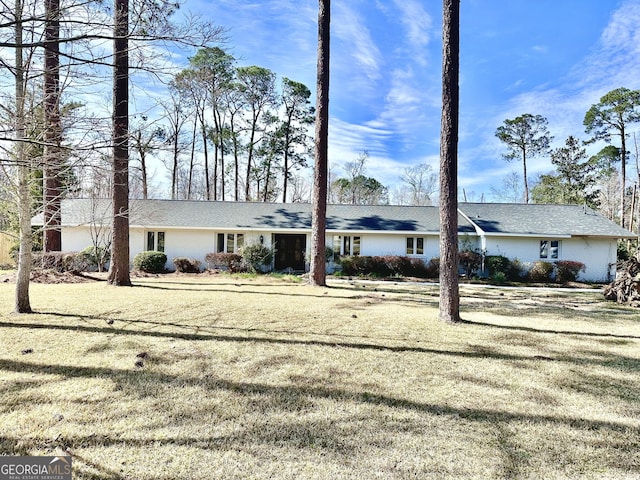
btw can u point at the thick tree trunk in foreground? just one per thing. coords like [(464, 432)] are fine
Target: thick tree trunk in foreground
[(53, 129), (119, 270), (22, 302), (318, 273), (449, 288)]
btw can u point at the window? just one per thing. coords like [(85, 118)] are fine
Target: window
[(415, 246), (336, 247), (550, 249), (346, 245), (155, 241), (230, 242)]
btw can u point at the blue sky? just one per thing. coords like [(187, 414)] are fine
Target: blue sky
[(549, 57)]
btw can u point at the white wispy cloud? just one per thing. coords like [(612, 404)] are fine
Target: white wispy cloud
[(354, 44), (417, 22), (612, 63)]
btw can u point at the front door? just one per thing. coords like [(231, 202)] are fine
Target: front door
[(290, 251)]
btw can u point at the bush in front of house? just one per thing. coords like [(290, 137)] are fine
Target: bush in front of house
[(433, 268), (387, 266), (568, 270), (363, 265), (231, 262), (470, 261), (502, 266), (398, 265), (150, 261), (58, 261), (517, 271), (92, 258), (497, 264), (186, 265), (419, 268), (256, 256), (541, 271), (498, 278)]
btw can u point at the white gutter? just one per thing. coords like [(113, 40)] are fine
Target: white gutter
[(481, 233)]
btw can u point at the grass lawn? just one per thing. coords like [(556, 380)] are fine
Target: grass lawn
[(241, 378)]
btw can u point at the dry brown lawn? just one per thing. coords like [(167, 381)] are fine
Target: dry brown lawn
[(242, 378)]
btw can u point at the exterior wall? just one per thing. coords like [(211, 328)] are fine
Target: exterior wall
[(597, 254), (391, 244), (75, 239)]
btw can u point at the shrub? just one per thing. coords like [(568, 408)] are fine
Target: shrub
[(387, 265), (497, 264), (470, 261), (92, 258), (58, 261), (568, 270), (256, 256), (399, 265), (329, 254), (516, 270), (232, 262), (186, 265), (541, 271), (354, 265), (418, 268), (433, 268), (150, 261), (499, 278)]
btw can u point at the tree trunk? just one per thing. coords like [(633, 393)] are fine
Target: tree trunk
[(449, 288), (318, 271), (192, 161), (143, 174), (52, 129), (285, 163), (524, 172), (22, 302), (205, 147), (254, 126), (623, 174), (119, 270)]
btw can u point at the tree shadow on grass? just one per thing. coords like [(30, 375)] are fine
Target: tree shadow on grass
[(478, 353), (551, 331), (240, 290), (483, 353), (131, 380)]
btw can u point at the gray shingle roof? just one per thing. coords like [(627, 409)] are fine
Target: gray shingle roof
[(493, 218), (536, 219), (261, 216)]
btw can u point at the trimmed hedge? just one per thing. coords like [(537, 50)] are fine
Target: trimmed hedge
[(150, 262), (388, 265), (541, 271), (470, 262), (186, 265), (568, 270), (232, 262)]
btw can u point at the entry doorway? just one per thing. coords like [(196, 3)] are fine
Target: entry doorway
[(290, 249)]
